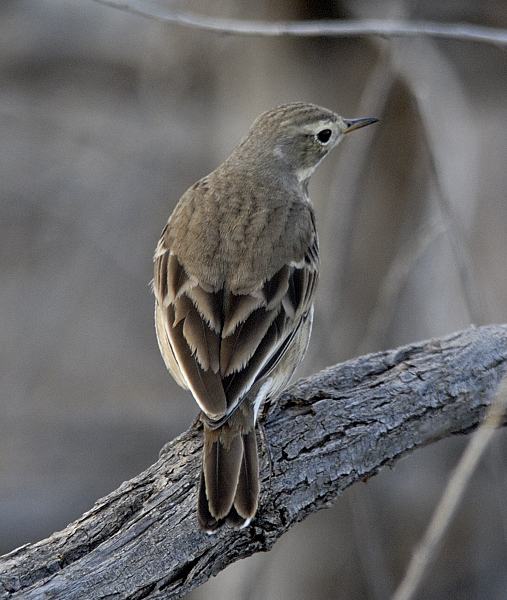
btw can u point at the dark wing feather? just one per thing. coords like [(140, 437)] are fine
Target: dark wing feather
[(220, 344), (239, 347), (206, 385)]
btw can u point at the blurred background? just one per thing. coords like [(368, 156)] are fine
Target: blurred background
[(105, 119)]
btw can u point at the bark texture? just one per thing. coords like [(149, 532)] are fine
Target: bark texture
[(325, 433)]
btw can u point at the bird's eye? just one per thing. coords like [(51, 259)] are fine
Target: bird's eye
[(324, 136)]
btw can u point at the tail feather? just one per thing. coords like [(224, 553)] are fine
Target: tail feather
[(229, 486), (247, 490), (206, 520), (221, 464)]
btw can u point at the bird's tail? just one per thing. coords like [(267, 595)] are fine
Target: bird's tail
[(229, 488)]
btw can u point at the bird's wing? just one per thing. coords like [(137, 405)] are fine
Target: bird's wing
[(219, 344)]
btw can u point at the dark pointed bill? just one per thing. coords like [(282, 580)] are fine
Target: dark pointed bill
[(353, 124)]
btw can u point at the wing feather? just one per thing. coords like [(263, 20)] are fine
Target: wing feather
[(220, 344), (206, 385), (239, 347)]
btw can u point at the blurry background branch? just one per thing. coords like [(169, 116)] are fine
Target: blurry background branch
[(327, 432), (427, 549), (329, 28)]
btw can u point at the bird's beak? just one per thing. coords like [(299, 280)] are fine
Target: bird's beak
[(353, 124)]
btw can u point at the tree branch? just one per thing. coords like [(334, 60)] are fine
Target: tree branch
[(327, 432), (331, 28)]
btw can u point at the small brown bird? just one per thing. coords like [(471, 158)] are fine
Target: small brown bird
[(236, 270)]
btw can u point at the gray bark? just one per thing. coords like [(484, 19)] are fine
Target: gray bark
[(328, 431)]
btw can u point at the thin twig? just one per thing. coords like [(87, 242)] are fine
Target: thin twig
[(385, 28), (448, 505), (393, 282)]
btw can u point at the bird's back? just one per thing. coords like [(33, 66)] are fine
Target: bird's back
[(239, 231)]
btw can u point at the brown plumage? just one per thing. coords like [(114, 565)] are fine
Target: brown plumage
[(236, 270)]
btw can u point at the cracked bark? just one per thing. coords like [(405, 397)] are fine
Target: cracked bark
[(327, 432)]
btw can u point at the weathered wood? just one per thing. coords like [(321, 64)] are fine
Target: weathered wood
[(329, 431)]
